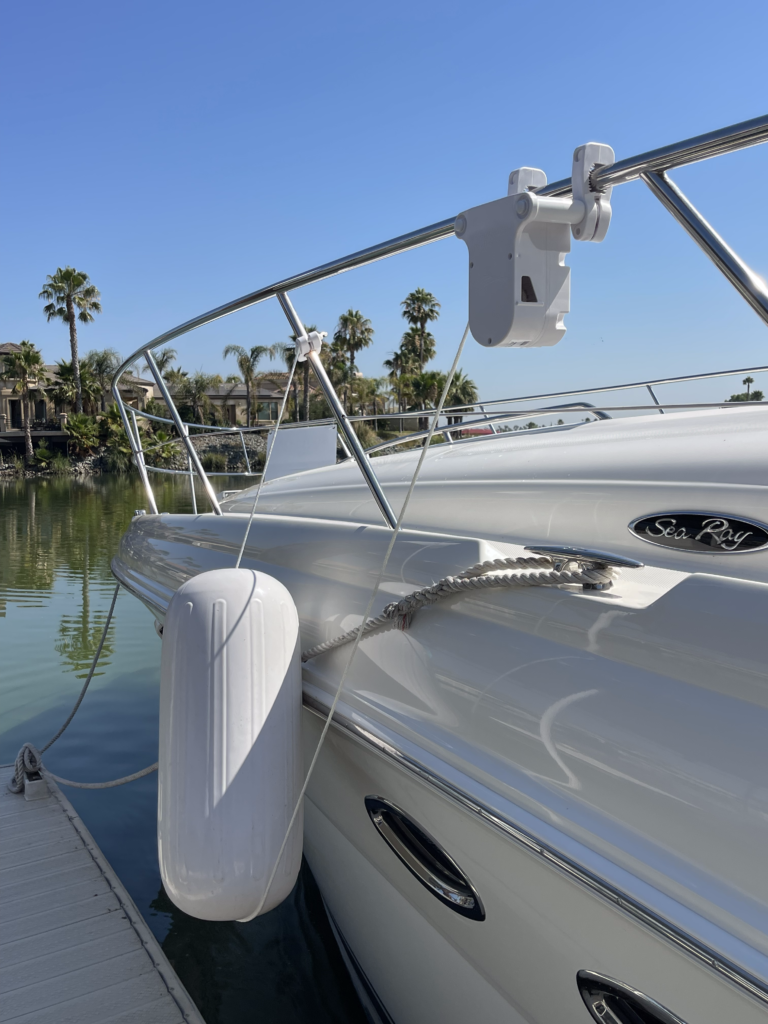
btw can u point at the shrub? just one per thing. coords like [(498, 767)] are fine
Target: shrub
[(214, 462), (83, 433), (366, 434), (59, 464), (43, 454)]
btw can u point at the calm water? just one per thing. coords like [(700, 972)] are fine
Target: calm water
[(57, 538)]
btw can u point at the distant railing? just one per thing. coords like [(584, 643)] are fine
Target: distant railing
[(491, 420)]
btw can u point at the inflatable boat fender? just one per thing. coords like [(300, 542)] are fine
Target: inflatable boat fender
[(230, 766)]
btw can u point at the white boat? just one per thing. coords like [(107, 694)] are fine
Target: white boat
[(534, 803)]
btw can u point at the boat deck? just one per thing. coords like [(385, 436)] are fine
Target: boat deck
[(74, 947)]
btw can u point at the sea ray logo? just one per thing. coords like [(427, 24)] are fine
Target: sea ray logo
[(705, 532)]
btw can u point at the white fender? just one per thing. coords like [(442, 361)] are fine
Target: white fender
[(230, 765)]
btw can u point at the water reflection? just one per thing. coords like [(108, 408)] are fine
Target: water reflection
[(283, 950)]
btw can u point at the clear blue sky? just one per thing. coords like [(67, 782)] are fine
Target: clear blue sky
[(184, 154)]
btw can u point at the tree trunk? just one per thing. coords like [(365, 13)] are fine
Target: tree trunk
[(295, 399), (75, 357), (30, 453), (306, 389), (247, 403)]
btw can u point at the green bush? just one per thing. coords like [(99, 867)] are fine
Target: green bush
[(366, 434), (43, 454), (214, 462), (83, 433), (59, 464)]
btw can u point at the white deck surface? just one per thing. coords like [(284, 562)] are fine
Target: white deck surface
[(73, 946)]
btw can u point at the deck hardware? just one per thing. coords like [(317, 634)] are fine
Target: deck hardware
[(564, 555), (612, 1002), (425, 858), (520, 290)]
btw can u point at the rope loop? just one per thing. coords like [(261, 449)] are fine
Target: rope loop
[(29, 761), (482, 576)]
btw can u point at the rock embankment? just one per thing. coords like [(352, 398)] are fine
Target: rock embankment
[(217, 448)]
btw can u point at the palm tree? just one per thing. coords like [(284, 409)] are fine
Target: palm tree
[(417, 348), (65, 290), (103, 363), (353, 332), (462, 391), (194, 390), (27, 369), (427, 387), (420, 308), (396, 367), (247, 362), (163, 360), (286, 352), (176, 376), (65, 390), (749, 381)]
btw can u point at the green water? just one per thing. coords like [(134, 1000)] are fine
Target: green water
[(57, 537)]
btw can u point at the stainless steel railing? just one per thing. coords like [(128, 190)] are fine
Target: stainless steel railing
[(650, 167), (492, 420)]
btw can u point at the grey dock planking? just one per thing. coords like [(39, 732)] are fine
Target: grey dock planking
[(73, 947)]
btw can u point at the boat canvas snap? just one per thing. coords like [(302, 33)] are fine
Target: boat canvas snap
[(708, 532)]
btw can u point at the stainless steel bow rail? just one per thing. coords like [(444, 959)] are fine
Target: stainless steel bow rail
[(650, 167)]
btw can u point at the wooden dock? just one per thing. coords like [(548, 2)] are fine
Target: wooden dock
[(73, 947)]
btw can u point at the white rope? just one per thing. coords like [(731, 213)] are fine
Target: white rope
[(473, 579), (361, 627), (29, 760), (266, 460)]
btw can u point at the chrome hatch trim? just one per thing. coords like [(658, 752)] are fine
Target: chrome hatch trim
[(732, 972)]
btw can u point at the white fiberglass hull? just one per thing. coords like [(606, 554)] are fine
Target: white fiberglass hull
[(592, 762)]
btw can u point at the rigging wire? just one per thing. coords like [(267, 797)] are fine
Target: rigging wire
[(364, 620), (270, 449)]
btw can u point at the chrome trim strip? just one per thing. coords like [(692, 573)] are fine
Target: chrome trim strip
[(731, 971)]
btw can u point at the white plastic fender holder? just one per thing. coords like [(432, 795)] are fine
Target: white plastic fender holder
[(230, 765), (519, 285)]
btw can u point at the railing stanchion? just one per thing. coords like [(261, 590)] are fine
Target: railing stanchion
[(340, 413), (191, 476), (134, 439), (182, 433), (245, 452), (653, 396)]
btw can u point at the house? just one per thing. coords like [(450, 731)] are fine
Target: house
[(228, 402), (48, 416)]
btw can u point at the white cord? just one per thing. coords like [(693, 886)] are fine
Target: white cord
[(266, 460), (361, 627)]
